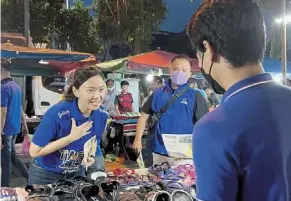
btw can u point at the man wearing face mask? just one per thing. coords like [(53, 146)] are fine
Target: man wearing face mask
[(110, 98), (180, 116), (242, 148)]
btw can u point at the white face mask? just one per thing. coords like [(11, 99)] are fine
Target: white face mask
[(110, 89)]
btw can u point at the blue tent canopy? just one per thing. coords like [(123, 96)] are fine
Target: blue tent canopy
[(26, 60), (10, 51)]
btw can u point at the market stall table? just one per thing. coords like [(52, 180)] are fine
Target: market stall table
[(127, 128), (130, 180)]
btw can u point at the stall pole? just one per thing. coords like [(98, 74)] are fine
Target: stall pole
[(26, 22), (284, 43)]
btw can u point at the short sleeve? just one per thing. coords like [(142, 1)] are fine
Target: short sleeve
[(147, 106), (4, 97), (47, 130), (216, 170)]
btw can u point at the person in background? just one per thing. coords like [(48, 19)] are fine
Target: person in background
[(67, 128), (124, 101), (11, 116), (110, 98), (179, 118), (242, 148), (212, 98), (156, 83), (194, 84)]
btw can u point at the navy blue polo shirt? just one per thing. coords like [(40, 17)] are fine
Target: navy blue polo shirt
[(57, 124), (242, 149), (11, 98)]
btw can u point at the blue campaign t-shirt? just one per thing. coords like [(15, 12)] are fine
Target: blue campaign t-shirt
[(57, 124), (11, 98), (242, 149), (178, 119)]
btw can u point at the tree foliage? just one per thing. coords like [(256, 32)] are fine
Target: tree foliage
[(129, 21), (77, 26), (50, 18), (12, 16)]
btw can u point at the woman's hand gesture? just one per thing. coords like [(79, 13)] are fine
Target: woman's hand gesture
[(78, 132)]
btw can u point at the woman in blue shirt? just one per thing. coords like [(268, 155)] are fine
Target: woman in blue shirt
[(58, 145)]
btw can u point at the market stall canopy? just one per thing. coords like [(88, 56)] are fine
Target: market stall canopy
[(157, 58), (112, 65), (44, 62), (14, 38), (144, 62)]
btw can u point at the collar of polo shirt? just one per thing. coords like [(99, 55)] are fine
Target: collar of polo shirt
[(246, 82), (77, 114)]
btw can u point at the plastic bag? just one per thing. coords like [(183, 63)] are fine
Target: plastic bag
[(25, 145)]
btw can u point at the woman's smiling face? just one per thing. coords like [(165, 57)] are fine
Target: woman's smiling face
[(91, 93)]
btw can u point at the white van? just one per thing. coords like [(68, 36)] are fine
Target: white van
[(43, 92)]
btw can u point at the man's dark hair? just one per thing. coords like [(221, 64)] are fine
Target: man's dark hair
[(6, 64), (181, 56), (234, 28), (157, 79), (109, 80), (123, 83)]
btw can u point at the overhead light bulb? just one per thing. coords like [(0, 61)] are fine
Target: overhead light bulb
[(150, 78)]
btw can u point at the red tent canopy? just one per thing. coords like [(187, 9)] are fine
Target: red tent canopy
[(156, 59)]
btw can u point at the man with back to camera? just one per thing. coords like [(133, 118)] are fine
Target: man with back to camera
[(178, 119), (242, 148), (11, 117), (124, 101)]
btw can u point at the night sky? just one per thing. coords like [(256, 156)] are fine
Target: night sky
[(180, 12)]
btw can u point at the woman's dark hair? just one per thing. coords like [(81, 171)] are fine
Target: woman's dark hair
[(81, 76)]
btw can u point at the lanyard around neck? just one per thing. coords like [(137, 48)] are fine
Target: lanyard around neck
[(247, 87)]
